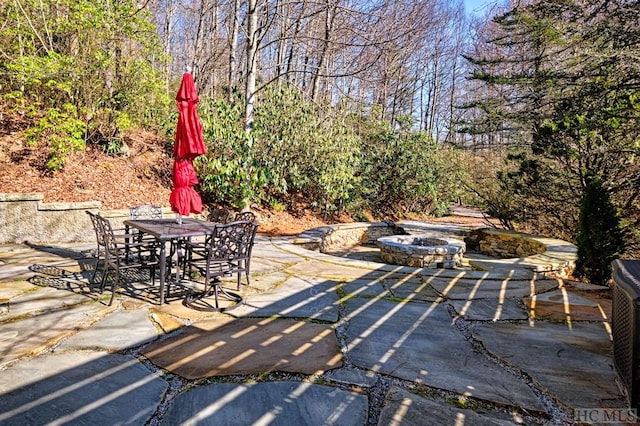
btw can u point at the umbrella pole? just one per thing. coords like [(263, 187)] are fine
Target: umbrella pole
[(179, 219)]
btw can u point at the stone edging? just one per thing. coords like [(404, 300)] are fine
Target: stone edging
[(422, 251)]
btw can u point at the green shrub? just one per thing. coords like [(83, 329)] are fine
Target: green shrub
[(296, 150), (61, 131), (227, 173), (405, 172), (299, 151)]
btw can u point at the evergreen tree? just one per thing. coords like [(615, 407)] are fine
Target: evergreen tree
[(600, 239)]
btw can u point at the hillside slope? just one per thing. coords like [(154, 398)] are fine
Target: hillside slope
[(117, 182), (144, 176)]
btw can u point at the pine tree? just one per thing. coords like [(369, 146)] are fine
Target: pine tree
[(600, 239)]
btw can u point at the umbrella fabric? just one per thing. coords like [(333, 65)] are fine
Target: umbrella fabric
[(188, 145), (184, 199), (189, 142), (183, 174)]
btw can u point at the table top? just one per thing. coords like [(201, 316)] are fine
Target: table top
[(167, 229)]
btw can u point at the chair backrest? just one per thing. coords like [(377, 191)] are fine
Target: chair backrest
[(108, 237), (232, 241), (219, 215), (242, 216), (145, 211), (95, 222)]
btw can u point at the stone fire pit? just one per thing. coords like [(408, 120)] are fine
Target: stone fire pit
[(421, 251)]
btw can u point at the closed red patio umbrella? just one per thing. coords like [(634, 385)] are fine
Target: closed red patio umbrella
[(188, 145)]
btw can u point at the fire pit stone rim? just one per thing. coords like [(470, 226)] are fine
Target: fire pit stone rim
[(407, 244)]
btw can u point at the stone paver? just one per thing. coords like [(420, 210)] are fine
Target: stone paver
[(575, 306), (331, 271), (556, 349), (420, 344), (282, 403), (366, 288), (320, 340), (295, 298), (246, 346), (117, 331), (483, 288), (408, 409), (353, 377), (42, 299), (36, 333), (267, 282), (490, 309), (79, 387)]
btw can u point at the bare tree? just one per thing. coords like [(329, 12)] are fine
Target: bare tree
[(233, 48), (252, 63), (399, 55)]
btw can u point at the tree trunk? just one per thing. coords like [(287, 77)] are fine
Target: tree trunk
[(233, 48), (252, 67), (330, 11), (168, 31), (282, 41)]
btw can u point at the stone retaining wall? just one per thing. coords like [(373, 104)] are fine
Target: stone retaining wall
[(24, 217)]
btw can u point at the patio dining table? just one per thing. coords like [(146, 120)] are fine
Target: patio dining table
[(169, 230)]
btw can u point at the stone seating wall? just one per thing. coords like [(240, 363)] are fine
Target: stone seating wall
[(24, 217), (507, 244), (328, 238), (536, 253)]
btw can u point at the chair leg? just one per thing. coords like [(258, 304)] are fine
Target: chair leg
[(114, 287), (103, 281), (215, 289), (103, 271), (186, 263), (246, 272), (95, 271)]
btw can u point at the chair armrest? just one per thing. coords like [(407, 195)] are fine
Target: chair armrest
[(194, 244)]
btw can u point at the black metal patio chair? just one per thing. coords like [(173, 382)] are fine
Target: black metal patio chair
[(246, 258), (117, 251), (101, 246), (225, 253), (145, 211)]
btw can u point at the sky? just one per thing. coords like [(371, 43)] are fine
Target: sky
[(475, 6)]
